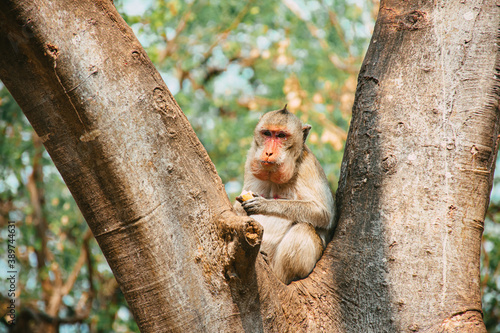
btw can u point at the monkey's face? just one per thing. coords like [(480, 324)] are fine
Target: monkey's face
[(276, 149)]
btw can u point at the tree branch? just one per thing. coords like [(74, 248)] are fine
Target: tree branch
[(242, 236), (84, 255)]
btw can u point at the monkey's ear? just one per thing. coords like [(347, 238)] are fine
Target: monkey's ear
[(305, 130)]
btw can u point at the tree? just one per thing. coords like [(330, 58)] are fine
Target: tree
[(160, 214), (230, 58)]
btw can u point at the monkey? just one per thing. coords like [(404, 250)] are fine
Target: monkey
[(290, 196)]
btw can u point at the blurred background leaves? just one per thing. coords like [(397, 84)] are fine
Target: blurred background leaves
[(226, 62)]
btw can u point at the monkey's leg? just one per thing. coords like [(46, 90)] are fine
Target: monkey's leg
[(275, 228), (297, 253)]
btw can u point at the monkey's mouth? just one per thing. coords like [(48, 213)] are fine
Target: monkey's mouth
[(269, 166), (267, 163)]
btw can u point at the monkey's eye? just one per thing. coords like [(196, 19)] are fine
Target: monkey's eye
[(281, 135), (266, 133)]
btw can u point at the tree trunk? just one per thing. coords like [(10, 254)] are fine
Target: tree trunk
[(418, 169), (141, 178), (414, 186)]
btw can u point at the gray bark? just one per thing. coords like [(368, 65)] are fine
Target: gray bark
[(141, 178), (418, 169), (414, 186)]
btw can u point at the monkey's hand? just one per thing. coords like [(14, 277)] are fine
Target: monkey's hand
[(256, 205), (245, 195)]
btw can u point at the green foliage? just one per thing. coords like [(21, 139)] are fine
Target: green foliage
[(227, 62), (490, 261)]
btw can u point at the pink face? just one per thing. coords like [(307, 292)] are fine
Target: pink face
[(274, 137), (269, 165)]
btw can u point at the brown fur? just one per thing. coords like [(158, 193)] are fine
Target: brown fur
[(294, 202)]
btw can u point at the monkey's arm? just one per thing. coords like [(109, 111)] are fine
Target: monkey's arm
[(300, 211)]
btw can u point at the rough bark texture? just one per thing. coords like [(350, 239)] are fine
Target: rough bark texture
[(414, 186), (418, 169), (144, 183)]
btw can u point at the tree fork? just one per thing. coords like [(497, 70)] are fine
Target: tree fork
[(413, 191)]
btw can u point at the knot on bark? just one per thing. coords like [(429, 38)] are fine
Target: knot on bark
[(242, 236), (411, 21), (467, 321), (52, 51), (161, 100), (389, 163)]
